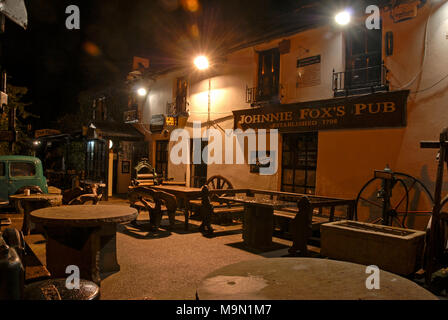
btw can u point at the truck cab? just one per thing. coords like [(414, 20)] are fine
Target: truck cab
[(18, 172)]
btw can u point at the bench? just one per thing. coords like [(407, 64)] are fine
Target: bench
[(223, 212), (29, 248), (35, 269), (78, 195), (155, 202), (303, 221)]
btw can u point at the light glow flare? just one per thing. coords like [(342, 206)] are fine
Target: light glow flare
[(201, 62), (142, 92), (343, 18)]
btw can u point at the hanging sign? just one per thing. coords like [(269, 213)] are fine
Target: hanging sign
[(405, 11)]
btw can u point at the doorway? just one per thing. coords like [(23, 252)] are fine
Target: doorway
[(198, 176)]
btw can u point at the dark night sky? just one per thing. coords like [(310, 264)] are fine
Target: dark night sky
[(56, 64)]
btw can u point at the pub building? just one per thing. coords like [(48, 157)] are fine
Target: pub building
[(346, 100)]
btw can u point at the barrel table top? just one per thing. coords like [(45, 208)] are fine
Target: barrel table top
[(84, 215), (304, 279)]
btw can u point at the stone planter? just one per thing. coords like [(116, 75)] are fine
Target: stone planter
[(391, 249)]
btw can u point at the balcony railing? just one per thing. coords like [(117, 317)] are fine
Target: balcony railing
[(259, 95), (362, 80), (131, 116)]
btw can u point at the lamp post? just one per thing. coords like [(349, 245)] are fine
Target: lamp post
[(201, 63)]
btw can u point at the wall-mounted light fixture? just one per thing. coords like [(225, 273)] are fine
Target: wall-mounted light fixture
[(344, 17), (142, 92)]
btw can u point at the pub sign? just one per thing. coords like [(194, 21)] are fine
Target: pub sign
[(377, 110)]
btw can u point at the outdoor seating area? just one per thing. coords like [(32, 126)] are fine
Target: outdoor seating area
[(257, 150), (107, 239), (120, 245)]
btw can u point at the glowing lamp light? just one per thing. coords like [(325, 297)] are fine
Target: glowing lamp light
[(343, 18), (142, 92), (201, 63)]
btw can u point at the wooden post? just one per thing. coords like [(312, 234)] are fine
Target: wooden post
[(301, 227), (435, 237)]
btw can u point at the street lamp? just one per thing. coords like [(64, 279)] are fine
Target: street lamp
[(343, 18), (142, 92), (201, 62)]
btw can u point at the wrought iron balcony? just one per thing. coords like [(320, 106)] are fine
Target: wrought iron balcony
[(131, 116), (257, 95), (359, 81)]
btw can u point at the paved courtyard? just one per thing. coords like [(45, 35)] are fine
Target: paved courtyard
[(167, 265)]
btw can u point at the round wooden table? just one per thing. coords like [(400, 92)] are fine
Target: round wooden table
[(84, 236), (304, 279), (26, 204)]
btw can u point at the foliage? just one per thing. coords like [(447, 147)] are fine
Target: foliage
[(17, 99), (116, 101)]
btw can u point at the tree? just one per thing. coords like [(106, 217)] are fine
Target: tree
[(17, 99)]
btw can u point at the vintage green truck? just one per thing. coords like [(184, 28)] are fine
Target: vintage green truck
[(18, 173)]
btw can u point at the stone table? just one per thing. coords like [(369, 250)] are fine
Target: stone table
[(304, 279), (84, 236), (26, 204), (258, 224)]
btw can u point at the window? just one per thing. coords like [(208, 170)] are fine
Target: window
[(363, 57), (2, 169), (268, 74), (162, 157), (22, 169), (96, 156), (299, 162), (181, 95)]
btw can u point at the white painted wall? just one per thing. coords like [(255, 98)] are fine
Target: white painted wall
[(346, 158)]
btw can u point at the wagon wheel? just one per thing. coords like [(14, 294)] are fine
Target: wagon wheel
[(410, 204), (218, 183)]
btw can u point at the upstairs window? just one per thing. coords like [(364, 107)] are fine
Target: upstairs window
[(363, 58), (268, 74)]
